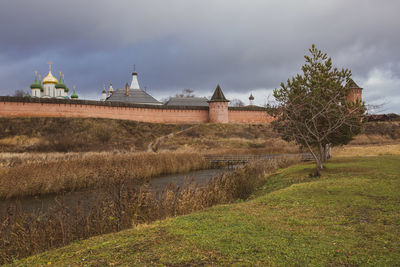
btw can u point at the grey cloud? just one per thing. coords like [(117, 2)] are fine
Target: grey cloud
[(178, 44)]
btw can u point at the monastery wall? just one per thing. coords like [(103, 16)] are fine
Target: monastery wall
[(246, 116), (39, 107)]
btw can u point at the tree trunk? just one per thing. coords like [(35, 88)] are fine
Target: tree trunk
[(326, 152), (319, 160)]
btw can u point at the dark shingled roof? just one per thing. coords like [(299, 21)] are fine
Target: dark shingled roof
[(135, 96), (352, 85), (188, 101), (218, 96)]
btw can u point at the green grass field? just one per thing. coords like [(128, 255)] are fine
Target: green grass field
[(348, 217)]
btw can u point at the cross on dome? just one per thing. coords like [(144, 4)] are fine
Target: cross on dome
[(50, 63)]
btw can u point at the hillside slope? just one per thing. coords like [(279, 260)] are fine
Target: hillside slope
[(349, 217), (88, 134)]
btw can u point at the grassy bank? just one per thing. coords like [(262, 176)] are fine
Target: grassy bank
[(75, 172), (348, 217), (366, 150), (119, 207)]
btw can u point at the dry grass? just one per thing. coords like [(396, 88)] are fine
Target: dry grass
[(78, 171), (119, 208), (88, 134), (229, 138), (366, 150), (371, 139), (12, 159), (78, 134)]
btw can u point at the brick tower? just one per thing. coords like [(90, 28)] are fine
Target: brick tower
[(218, 107), (355, 93)]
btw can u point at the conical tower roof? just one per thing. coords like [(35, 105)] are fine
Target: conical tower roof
[(352, 85), (218, 95)]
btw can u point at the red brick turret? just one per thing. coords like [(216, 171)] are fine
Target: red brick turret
[(218, 107), (355, 93)]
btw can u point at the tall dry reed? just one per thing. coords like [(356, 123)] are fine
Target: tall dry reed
[(75, 173), (119, 207)]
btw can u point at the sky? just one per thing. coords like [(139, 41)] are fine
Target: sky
[(246, 46)]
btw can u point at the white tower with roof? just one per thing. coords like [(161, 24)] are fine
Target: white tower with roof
[(135, 82)]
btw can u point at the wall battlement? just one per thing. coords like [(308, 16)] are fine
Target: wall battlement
[(47, 107)]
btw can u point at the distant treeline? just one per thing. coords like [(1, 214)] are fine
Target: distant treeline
[(383, 117)]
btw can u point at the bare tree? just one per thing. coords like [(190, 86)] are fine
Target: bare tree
[(19, 93), (186, 93), (237, 103), (313, 109)]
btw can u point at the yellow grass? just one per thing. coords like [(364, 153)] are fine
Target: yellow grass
[(363, 139), (74, 171), (366, 150), (19, 140)]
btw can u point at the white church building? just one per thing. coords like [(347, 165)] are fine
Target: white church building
[(50, 87)]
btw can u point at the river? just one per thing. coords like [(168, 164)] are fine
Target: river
[(39, 204)]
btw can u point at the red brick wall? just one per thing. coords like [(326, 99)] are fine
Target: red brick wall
[(21, 109), (354, 95), (145, 114), (249, 116)]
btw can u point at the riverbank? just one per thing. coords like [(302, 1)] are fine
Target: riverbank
[(347, 217), (73, 171), (119, 207)]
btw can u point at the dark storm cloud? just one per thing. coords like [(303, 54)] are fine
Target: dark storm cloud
[(243, 45)]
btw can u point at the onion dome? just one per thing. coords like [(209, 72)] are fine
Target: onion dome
[(61, 83), (27, 94), (66, 89), (36, 84), (74, 95), (50, 78), (251, 97)]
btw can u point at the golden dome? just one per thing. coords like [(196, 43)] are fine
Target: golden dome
[(49, 78)]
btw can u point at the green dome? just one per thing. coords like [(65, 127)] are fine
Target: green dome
[(27, 94), (61, 84), (66, 89), (36, 84), (74, 95)]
